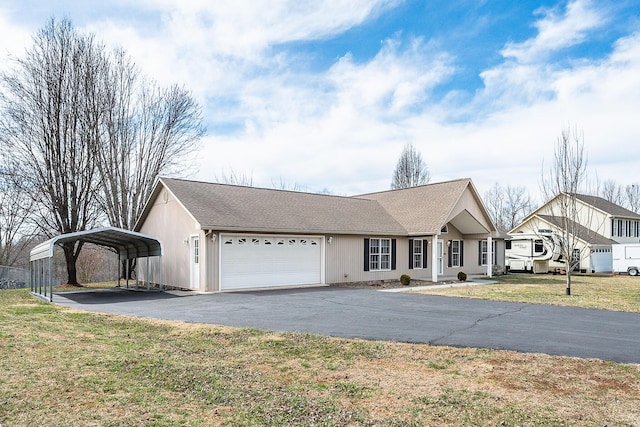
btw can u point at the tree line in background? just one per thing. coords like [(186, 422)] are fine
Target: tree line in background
[(84, 135)]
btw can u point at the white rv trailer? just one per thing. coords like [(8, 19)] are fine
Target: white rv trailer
[(533, 252), (626, 258)]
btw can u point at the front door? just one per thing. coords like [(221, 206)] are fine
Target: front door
[(440, 258), (194, 246)]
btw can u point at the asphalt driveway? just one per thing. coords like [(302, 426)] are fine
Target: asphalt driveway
[(369, 314)]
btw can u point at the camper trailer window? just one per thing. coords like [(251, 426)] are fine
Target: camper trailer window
[(538, 246)]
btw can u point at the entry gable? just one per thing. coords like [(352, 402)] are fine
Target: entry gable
[(424, 210)]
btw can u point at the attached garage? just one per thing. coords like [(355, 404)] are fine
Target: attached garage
[(262, 261), (601, 260)]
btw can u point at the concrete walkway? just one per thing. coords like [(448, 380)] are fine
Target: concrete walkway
[(403, 317)]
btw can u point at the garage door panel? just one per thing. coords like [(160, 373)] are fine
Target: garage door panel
[(259, 261)]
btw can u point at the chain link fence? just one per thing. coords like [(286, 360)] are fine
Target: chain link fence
[(13, 278)]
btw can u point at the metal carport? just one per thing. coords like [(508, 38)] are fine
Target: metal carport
[(128, 245)]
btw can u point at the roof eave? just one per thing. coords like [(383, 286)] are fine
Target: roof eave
[(271, 230)]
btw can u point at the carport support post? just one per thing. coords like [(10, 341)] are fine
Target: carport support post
[(50, 279), (126, 271), (118, 269), (147, 274)]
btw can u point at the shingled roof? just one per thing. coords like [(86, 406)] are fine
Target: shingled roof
[(607, 206), (583, 233), (238, 208), (423, 209)]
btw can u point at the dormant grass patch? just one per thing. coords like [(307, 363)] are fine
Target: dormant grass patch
[(614, 292), (62, 367)]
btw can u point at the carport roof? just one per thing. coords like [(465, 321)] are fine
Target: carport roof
[(128, 244)]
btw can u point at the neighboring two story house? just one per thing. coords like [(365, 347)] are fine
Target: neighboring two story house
[(600, 224)]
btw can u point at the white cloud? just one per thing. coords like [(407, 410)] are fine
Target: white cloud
[(556, 31), (242, 28), (343, 128), (13, 38)]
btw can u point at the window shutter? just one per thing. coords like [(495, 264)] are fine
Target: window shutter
[(393, 254), (479, 252), (366, 254), (449, 252), (425, 245), (410, 254), (461, 253)]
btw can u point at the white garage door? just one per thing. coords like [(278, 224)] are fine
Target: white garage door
[(601, 260), (262, 261)]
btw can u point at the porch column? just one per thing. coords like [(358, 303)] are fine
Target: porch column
[(489, 258), (434, 259)]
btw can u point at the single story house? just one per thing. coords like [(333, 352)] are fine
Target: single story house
[(219, 237)]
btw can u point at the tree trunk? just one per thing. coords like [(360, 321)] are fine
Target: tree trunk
[(70, 257), (127, 273), (568, 267)]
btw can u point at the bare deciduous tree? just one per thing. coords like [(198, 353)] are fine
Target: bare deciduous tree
[(562, 181), (410, 170), (88, 131), (49, 127), (15, 234), (632, 192), (235, 178), (507, 205), (613, 192), (147, 131)]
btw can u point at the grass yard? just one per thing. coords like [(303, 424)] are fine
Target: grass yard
[(621, 293), (67, 368)]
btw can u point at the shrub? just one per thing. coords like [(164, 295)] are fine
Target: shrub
[(462, 276), (405, 279)]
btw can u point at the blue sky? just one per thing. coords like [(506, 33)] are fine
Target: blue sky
[(325, 94)]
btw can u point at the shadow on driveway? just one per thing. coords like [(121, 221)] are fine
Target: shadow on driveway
[(111, 296)]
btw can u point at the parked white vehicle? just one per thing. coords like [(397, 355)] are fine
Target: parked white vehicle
[(626, 258), (533, 251)]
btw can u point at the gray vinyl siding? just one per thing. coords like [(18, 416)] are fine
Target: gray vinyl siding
[(345, 260), (171, 224)]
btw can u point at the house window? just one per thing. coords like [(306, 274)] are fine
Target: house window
[(379, 254), (417, 253), (455, 253), (196, 251), (483, 252)]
